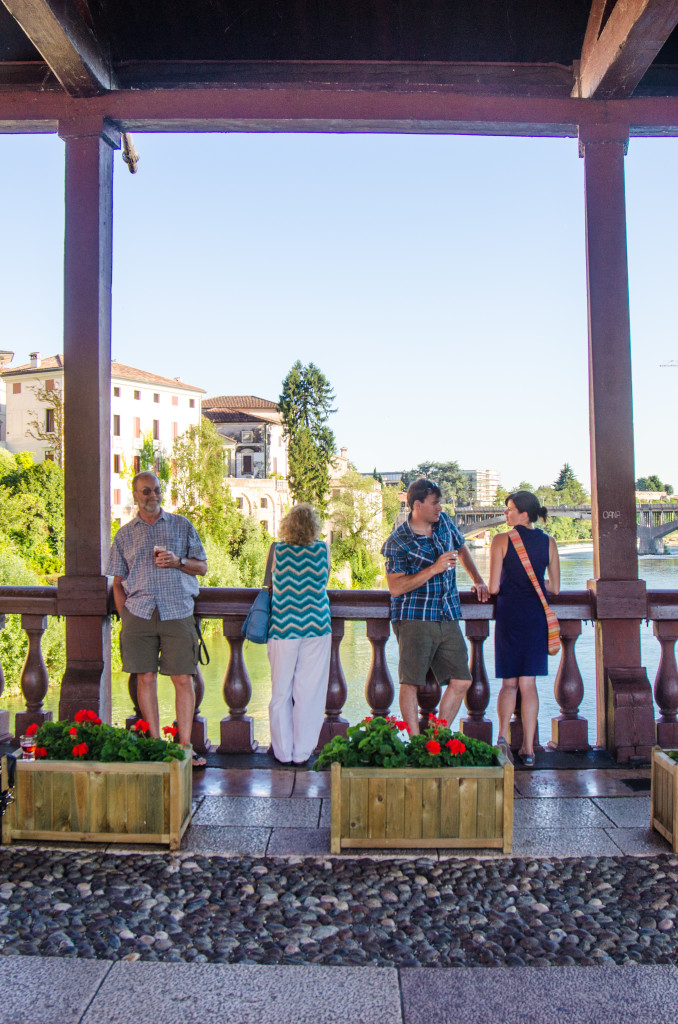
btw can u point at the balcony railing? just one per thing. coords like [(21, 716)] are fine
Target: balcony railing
[(570, 729)]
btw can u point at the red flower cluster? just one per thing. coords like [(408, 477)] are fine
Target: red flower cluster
[(170, 730), (141, 726), (87, 716), (433, 747), (40, 752), (398, 723), (438, 721), (80, 749), (31, 730), (73, 731), (455, 746)]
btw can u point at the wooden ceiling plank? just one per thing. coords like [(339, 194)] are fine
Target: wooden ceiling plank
[(59, 32), (631, 39)]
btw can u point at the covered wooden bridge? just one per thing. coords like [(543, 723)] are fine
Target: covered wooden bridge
[(598, 70)]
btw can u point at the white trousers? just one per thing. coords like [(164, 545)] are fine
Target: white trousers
[(299, 676)]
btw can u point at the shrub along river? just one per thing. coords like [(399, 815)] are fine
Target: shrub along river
[(659, 572)]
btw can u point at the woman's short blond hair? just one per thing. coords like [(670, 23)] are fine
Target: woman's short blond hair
[(301, 525)]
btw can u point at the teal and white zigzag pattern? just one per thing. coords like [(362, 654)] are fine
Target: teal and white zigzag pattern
[(300, 606)]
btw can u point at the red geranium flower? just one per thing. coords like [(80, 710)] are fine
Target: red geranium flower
[(80, 750), (437, 721), (31, 730), (87, 716), (170, 730), (433, 747), (40, 752), (141, 726), (401, 724), (73, 731), (456, 746)]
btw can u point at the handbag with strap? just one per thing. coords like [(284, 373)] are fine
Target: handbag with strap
[(255, 627), (553, 629)]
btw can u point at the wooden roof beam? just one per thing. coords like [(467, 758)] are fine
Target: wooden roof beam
[(615, 59), (59, 31)]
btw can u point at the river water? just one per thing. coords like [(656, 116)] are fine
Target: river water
[(659, 572)]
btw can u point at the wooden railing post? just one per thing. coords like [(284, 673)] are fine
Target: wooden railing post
[(199, 739), (237, 730), (428, 699), (666, 683), (337, 691), (5, 734), (136, 714), (379, 690), (569, 730), (34, 678), (478, 694)]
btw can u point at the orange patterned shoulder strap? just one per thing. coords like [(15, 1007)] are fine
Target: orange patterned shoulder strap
[(551, 619)]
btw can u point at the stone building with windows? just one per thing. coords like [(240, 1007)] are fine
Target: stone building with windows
[(251, 429), (142, 403)]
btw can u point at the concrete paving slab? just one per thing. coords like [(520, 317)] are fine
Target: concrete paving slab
[(285, 842), (556, 995), (48, 990), (626, 811), (326, 814), (260, 782), (562, 842), (246, 994), (314, 784), (226, 840), (593, 782), (258, 811), (565, 813), (639, 841)]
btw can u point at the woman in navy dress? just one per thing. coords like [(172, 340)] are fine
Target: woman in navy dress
[(520, 635)]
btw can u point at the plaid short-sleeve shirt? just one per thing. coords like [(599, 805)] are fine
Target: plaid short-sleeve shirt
[(147, 587), (409, 552)]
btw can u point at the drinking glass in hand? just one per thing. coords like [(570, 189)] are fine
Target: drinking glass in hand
[(28, 745)]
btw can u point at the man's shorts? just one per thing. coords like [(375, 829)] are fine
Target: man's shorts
[(151, 645), (424, 645)]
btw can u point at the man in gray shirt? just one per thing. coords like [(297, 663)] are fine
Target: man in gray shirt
[(154, 562)]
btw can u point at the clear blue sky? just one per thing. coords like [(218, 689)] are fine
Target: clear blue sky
[(422, 274)]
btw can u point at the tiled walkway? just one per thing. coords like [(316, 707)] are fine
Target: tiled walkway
[(283, 812)]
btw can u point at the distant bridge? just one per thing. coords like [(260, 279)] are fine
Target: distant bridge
[(654, 521)]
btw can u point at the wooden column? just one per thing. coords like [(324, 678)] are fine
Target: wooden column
[(624, 698), (87, 397)]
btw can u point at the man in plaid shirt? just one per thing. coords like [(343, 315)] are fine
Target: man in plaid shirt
[(421, 555)]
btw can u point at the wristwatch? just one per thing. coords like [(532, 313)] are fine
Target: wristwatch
[(182, 562)]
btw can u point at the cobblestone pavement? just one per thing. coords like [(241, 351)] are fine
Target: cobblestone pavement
[(424, 912)]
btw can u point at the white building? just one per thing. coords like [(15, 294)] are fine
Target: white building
[(142, 403), (252, 431), (5, 358), (483, 484)]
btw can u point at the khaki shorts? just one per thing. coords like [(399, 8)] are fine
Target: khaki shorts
[(423, 645), (153, 645)]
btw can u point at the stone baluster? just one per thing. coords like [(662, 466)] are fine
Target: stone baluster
[(136, 714), (337, 691), (237, 730), (34, 678), (569, 730), (478, 695), (379, 690), (199, 739), (5, 734), (666, 683), (428, 698)]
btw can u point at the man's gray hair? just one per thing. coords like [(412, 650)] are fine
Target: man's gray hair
[(145, 472)]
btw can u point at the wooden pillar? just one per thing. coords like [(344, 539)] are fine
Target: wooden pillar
[(624, 698), (87, 398)]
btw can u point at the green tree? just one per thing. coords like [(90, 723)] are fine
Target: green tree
[(452, 481), (652, 483), (198, 485), (569, 490), (32, 512), (305, 406)]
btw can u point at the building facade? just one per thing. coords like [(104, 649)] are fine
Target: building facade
[(143, 405), (483, 484)]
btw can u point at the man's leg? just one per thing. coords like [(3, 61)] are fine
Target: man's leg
[(452, 697), (185, 706), (409, 707), (147, 696)]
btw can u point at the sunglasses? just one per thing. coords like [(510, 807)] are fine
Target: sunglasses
[(149, 490)]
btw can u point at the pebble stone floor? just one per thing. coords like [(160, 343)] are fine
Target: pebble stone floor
[(254, 921)]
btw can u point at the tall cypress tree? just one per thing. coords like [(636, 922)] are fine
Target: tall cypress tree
[(306, 405)]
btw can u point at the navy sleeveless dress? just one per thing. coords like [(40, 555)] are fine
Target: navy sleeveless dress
[(520, 635)]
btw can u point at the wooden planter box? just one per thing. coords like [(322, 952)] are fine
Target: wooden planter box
[(422, 807), (664, 799), (93, 802)]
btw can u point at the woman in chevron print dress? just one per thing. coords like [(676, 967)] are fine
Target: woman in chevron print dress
[(299, 636)]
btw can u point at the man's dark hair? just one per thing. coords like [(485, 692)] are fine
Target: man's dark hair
[(420, 489)]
